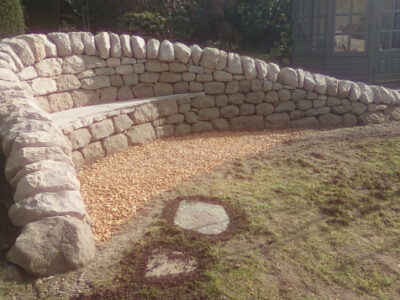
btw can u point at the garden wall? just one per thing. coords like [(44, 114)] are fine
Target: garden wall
[(42, 74)]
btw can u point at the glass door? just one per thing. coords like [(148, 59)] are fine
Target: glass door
[(387, 65)]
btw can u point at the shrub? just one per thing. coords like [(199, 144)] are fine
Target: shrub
[(144, 23), (11, 18)]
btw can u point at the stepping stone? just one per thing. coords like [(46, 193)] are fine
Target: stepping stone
[(202, 217), (164, 263)]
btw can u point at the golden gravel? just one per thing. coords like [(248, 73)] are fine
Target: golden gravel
[(114, 188)]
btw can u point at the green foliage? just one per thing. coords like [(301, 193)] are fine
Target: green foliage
[(145, 23), (11, 18)]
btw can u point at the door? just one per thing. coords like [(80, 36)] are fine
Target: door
[(387, 59)]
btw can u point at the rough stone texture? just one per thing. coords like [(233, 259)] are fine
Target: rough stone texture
[(77, 45), (124, 93), (67, 83), (250, 123), (145, 113), (203, 102), (153, 49), (234, 64), (206, 114), (262, 68), (163, 89), (167, 107), (143, 91), (330, 120), (249, 67), (214, 88), (359, 108), (53, 245), (355, 92), (167, 52), (126, 45), (367, 96), (156, 66), (386, 95), (97, 82), (277, 121), (164, 131), (182, 129), (332, 86), (141, 134), (43, 86), (22, 49), (93, 151), (154, 77), (115, 44), (92, 62), (320, 84), (288, 76), (48, 67), (285, 107), (44, 205), (273, 71), (36, 44), (182, 52), (115, 143), (46, 181), (76, 64), (222, 76), (229, 111), (62, 42), (284, 95), (84, 98), (309, 82), (201, 126), (59, 102), (138, 47), (122, 123), (89, 43), (307, 122), (210, 58), (197, 52), (80, 138), (101, 129)]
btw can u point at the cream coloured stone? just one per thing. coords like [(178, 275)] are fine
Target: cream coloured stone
[(93, 151), (22, 49), (143, 90), (301, 76), (169, 77), (43, 103), (124, 69), (115, 43), (59, 102), (73, 64), (163, 89), (249, 67), (113, 62), (62, 42), (222, 60), (97, 82), (214, 88), (153, 49), (262, 68), (108, 94), (43, 86), (92, 62), (182, 52), (122, 123), (89, 43), (131, 79), (105, 71), (141, 134), (273, 71), (288, 76), (210, 58), (84, 98), (8, 75), (320, 84), (36, 44), (145, 113), (77, 45), (138, 68), (115, 143), (102, 41), (355, 92), (80, 138), (167, 52), (332, 86), (67, 82), (177, 67), (49, 47), (156, 66), (126, 45), (101, 130), (27, 73), (48, 67), (234, 64), (6, 49), (138, 46), (149, 77), (125, 93)]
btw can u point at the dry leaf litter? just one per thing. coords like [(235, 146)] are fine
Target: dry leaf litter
[(116, 187)]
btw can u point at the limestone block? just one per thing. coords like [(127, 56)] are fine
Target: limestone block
[(344, 88), (115, 45), (182, 129), (222, 60), (236, 98), (84, 98), (301, 77), (222, 76), (53, 245), (197, 52), (124, 93), (74, 64), (94, 83), (277, 121), (143, 90), (103, 45), (108, 94), (67, 83), (153, 49), (122, 123), (43, 103), (256, 85), (50, 48), (175, 119), (247, 123), (273, 71), (214, 88), (341, 109), (201, 126), (185, 107), (80, 138), (330, 120), (138, 68), (220, 124), (85, 74), (22, 49), (27, 73), (92, 62), (115, 143), (359, 108), (36, 45), (93, 151), (182, 52), (124, 69), (181, 87), (230, 111), (307, 122), (126, 45), (62, 42), (333, 101), (367, 96), (304, 104), (153, 77), (317, 111), (145, 113), (77, 45), (234, 64), (164, 131), (232, 87), (167, 52), (377, 94), (247, 109), (6, 49), (262, 68), (8, 63), (138, 46), (177, 67), (60, 101), (169, 77), (355, 92), (299, 94), (78, 159), (196, 87), (141, 134), (167, 107), (130, 79), (101, 129), (255, 97), (249, 67), (8, 75), (386, 95), (116, 80), (264, 109), (349, 120), (209, 113), (163, 89), (43, 86), (190, 117), (332, 86), (296, 114), (45, 205), (195, 69), (204, 77), (89, 43), (203, 102), (113, 62), (48, 67), (245, 86), (285, 107), (104, 71), (288, 76), (320, 84), (309, 82), (156, 66)]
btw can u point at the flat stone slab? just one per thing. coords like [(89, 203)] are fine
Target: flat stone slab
[(165, 263), (202, 217)]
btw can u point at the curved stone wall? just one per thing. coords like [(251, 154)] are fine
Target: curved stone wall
[(42, 74)]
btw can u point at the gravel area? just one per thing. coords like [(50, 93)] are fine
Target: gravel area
[(116, 187)]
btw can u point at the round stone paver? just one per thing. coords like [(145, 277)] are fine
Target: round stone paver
[(202, 217), (165, 262)]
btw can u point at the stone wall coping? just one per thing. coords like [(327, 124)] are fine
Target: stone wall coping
[(79, 117)]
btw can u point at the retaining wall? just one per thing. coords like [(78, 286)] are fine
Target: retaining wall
[(42, 74)]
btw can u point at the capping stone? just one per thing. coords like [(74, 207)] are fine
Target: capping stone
[(115, 43), (288, 76), (262, 68), (102, 41), (126, 45), (153, 49), (36, 44), (138, 46), (234, 64), (89, 43), (182, 52), (210, 58), (273, 71), (62, 42), (249, 67), (22, 49), (197, 52)]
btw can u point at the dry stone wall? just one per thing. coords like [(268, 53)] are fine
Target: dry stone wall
[(42, 74)]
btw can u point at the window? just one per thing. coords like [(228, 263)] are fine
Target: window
[(390, 25), (311, 26), (351, 25)]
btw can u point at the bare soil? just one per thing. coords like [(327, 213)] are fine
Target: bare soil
[(328, 145)]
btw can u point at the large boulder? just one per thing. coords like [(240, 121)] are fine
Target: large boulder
[(53, 245)]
